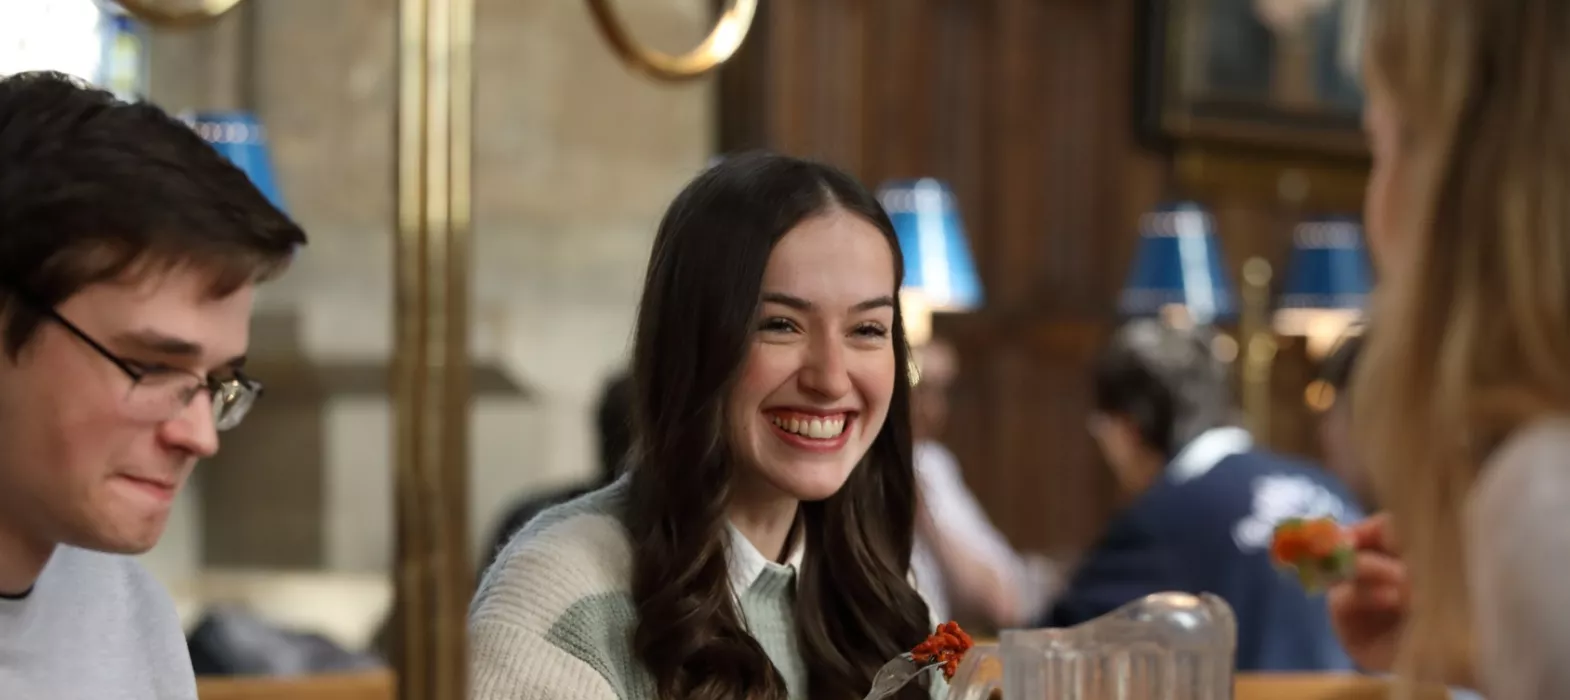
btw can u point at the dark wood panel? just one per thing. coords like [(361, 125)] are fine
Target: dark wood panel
[(1026, 108)]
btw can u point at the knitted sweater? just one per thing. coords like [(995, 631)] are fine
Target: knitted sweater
[(95, 627), (553, 618)]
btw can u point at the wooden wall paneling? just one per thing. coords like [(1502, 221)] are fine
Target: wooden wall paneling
[(1144, 176), (1049, 188), (1294, 427), (959, 103), (774, 67), (1019, 428), (1084, 491), (900, 63), (742, 118), (1015, 140), (1026, 108), (791, 73), (1075, 66), (1018, 486), (996, 430), (1062, 133), (839, 79), (1254, 175)]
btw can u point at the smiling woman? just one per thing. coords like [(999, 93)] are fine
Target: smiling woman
[(737, 558), (815, 387)]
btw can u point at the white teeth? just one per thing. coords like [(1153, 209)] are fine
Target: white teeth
[(815, 428)]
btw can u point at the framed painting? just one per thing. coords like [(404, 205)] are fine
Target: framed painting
[(1277, 74)]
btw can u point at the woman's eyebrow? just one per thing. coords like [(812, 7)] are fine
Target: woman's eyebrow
[(801, 304)]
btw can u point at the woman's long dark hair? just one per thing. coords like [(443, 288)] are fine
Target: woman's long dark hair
[(855, 607)]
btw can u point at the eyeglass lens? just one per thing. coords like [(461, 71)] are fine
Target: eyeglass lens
[(164, 397)]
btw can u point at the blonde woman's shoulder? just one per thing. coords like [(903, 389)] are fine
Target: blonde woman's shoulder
[(1518, 559), (1536, 453), (1529, 474)]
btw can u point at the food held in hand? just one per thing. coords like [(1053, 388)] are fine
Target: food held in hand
[(947, 646), (1318, 550)]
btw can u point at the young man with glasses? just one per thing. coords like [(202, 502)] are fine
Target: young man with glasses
[(129, 255)]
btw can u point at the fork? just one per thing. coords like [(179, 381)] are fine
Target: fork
[(895, 674)]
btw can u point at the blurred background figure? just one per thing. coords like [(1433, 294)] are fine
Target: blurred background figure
[(613, 427), (964, 566), (1201, 501)]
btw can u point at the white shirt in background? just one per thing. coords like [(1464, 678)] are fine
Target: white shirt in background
[(951, 504)]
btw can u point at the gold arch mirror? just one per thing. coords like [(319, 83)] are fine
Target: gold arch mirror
[(721, 43), (177, 14)]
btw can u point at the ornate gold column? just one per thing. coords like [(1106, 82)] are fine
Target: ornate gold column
[(434, 575)]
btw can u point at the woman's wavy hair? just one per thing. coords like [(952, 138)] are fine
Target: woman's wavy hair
[(855, 606)]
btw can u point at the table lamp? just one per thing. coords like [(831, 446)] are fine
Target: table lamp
[(240, 137), (1327, 285), (1179, 271), (940, 274)]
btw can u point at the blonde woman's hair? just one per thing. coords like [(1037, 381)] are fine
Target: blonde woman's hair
[(1471, 332)]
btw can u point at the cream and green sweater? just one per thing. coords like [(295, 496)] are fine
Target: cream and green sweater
[(553, 618)]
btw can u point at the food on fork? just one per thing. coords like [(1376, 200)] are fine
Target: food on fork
[(1318, 550), (947, 646)]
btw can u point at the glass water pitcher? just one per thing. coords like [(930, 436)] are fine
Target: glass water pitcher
[(1165, 646)]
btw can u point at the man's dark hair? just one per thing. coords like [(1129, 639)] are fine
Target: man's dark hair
[(93, 189), (1166, 380)]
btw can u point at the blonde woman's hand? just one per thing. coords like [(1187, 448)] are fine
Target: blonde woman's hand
[(1368, 610)]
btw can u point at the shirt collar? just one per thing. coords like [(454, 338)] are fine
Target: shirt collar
[(747, 563), (1203, 453)]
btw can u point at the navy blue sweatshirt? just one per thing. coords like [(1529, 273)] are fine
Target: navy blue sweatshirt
[(1211, 533)]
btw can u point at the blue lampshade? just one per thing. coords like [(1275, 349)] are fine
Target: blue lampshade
[(1179, 264), (1329, 268), (1328, 281), (241, 138), (938, 264)]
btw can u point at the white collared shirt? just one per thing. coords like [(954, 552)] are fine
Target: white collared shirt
[(1203, 453), (746, 563)]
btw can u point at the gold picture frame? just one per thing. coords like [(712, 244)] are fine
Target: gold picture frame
[(1222, 72)]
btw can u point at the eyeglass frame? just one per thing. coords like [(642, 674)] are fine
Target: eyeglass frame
[(215, 388)]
